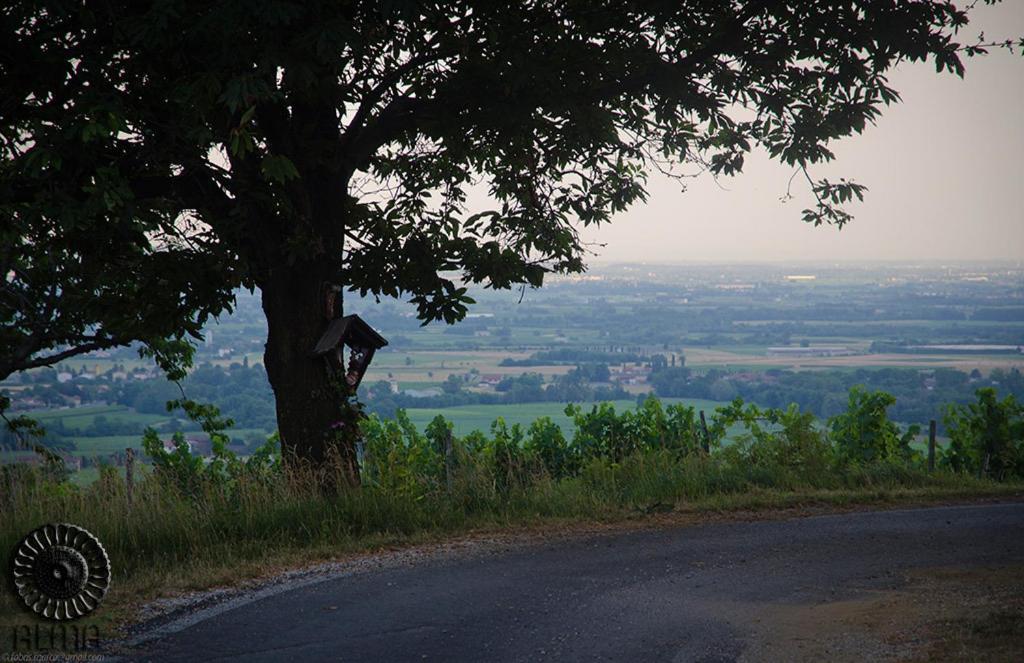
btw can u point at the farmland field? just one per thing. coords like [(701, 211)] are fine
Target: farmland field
[(748, 358), (418, 369)]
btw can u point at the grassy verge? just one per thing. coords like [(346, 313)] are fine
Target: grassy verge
[(167, 542)]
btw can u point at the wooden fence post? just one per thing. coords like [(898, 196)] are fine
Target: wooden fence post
[(129, 474), (448, 461), (7, 491), (931, 445), (704, 429)]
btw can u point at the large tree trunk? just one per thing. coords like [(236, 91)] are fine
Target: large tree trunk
[(316, 423), (300, 252)]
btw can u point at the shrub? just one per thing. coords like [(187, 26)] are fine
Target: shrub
[(986, 437), (785, 444), (544, 439), (398, 459), (505, 456), (864, 434)]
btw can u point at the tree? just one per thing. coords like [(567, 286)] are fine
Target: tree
[(380, 390), (452, 385), (723, 390), (158, 157)]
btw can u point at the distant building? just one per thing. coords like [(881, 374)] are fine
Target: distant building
[(422, 393), (752, 376), (801, 277), (73, 463), (143, 373), (630, 374), (28, 403), (196, 445), (23, 458)]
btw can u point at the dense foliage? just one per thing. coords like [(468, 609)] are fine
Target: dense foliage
[(864, 433)]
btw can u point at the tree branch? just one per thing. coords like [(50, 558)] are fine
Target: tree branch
[(24, 363)]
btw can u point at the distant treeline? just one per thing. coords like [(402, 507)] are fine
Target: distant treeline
[(921, 394), (1000, 314), (241, 391), (573, 387)]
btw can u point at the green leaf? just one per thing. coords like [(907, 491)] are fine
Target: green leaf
[(278, 168)]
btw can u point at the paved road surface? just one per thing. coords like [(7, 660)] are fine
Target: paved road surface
[(686, 594)]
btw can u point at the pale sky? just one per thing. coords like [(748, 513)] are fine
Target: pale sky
[(944, 171)]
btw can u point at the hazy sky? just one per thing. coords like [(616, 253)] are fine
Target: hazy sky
[(944, 169)]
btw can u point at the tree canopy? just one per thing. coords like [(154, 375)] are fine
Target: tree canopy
[(155, 157)]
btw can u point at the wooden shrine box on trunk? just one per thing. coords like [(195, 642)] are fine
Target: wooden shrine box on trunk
[(361, 340)]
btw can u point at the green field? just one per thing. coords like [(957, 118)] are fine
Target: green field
[(479, 417), (83, 417)]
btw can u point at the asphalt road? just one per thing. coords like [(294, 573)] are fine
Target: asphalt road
[(686, 594)]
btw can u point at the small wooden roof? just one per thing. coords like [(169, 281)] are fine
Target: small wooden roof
[(359, 333)]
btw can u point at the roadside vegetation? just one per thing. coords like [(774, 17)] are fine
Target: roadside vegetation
[(194, 522)]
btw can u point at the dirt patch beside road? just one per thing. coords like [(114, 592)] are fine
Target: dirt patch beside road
[(941, 614)]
